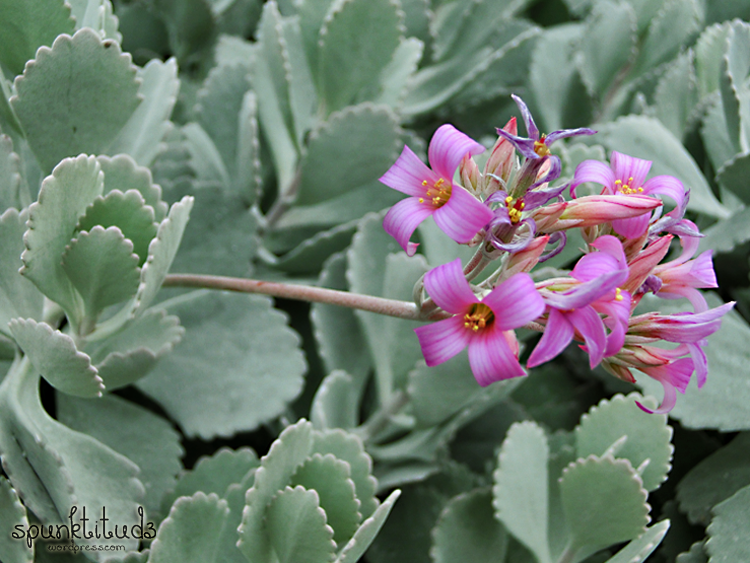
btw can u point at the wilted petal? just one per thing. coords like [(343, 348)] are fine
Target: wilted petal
[(407, 174), (515, 302), (447, 148), (491, 358), (448, 287), (462, 216), (626, 167), (442, 340), (403, 219), (590, 326), (557, 335)]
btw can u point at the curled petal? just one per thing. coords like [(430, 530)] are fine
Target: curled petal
[(612, 246), (448, 147), (590, 326), (522, 238), (442, 340), (463, 216), (538, 197), (702, 270), (626, 167), (491, 358), (525, 146), (557, 335), (594, 171), (531, 128), (699, 361), (403, 219), (675, 291), (515, 302), (631, 228), (552, 173), (563, 133), (666, 185), (585, 293), (448, 287), (674, 376), (407, 174)]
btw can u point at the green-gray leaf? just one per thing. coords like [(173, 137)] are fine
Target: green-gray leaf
[(13, 189), (75, 97), (640, 548), (335, 402), (55, 357), (366, 533), (27, 26), (521, 491), (729, 529), (122, 173), (12, 514), (236, 347)]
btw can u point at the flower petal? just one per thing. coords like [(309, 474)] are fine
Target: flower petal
[(447, 148), (462, 216), (531, 128), (632, 227), (700, 362), (448, 287), (594, 171), (515, 302), (557, 335), (407, 174), (674, 376), (626, 167), (524, 145), (666, 185), (491, 358), (442, 340), (563, 133), (589, 325), (585, 293), (403, 219)]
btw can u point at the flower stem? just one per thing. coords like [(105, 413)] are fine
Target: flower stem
[(390, 307)]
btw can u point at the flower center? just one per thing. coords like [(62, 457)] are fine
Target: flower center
[(515, 208), (540, 147), (626, 188), (618, 294), (438, 194), (479, 316)]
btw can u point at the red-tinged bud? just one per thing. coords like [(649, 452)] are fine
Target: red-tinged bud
[(547, 218), (597, 209), (632, 246), (526, 259), (501, 160), (620, 372), (643, 264), (470, 176)]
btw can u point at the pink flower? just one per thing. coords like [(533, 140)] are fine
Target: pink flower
[(626, 176), (483, 325), (674, 377), (458, 214)]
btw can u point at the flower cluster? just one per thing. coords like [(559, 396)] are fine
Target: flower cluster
[(512, 215)]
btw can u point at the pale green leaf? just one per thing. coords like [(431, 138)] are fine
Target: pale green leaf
[(733, 176), (102, 267), (63, 198), (607, 44), (205, 159), (146, 439), (715, 479), (335, 402), (715, 134), (357, 41), (29, 25), (737, 66), (709, 50), (467, 531), (12, 514), (18, 296), (647, 437), (640, 548), (248, 181), (310, 256), (191, 532), (728, 532), (235, 346), (142, 137), (366, 533), (231, 50), (312, 14), (96, 14), (604, 503), (645, 137), (13, 189), (353, 148), (303, 97), (287, 453), (55, 357), (75, 97), (520, 491), (697, 554), (395, 77), (297, 530), (123, 174), (329, 477), (676, 96), (724, 235)]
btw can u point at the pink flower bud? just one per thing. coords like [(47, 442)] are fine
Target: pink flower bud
[(526, 259), (597, 209), (469, 171), (500, 162), (645, 262)]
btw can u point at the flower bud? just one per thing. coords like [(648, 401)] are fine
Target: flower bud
[(470, 176)]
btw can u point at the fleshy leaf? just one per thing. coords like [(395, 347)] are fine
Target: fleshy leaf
[(29, 25), (123, 174), (329, 478), (468, 531), (75, 97), (676, 95), (640, 548), (55, 357), (63, 198), (13, 189), (192, 530), (235, 345), (297, 528), (521, 491), (733, 176), (604, 503), (335, 402), (146, 439), (357, 41), (715, 479), (142, 136), (647, 437), (18, 296), (367, 531), (102, 267), (12, 514), (729, 529)]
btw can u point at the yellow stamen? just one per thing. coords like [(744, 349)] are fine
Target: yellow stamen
[(439, 193), (421, 200), (508, 199), (618, 294), (424, 182), (478, 317)]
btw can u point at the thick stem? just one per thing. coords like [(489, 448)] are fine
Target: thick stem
[(390, 307)]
